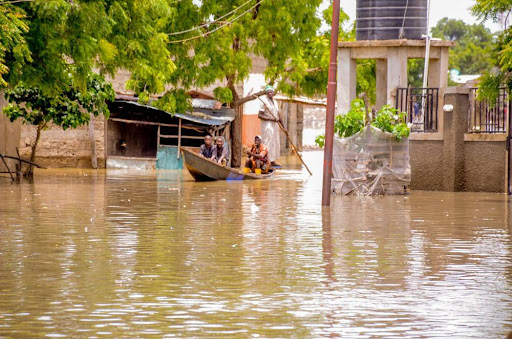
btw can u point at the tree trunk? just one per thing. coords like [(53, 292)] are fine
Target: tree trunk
[(236, 136), (34, 147), (236, 126)]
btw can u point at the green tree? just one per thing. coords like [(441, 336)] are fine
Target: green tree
[(220, 37), (13, 45), (502, 52), (75, 37), (472, 53), (50, 48), (69, 109)]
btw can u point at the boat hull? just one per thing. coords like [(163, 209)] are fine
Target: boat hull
[(203, 169)]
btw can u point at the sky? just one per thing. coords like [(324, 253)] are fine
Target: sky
[(453, 9)]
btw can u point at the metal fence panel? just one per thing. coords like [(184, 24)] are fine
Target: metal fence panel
[(421, 106), (484, 117)]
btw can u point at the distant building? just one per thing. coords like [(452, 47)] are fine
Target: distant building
[(464, 78)]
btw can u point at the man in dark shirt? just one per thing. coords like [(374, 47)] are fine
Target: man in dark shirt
[(206, 149), (220, 153)]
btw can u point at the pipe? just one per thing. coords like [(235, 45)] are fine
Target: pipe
[(331, 99)]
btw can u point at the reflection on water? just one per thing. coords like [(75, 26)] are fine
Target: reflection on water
[(129, 253)]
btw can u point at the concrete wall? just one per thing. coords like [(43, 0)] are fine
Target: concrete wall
[(453, 159), (292, 114), (426, 168), (56, 148), (65, 148), (485, 166)]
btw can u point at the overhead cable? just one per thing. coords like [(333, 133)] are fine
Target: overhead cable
[(208, 23)]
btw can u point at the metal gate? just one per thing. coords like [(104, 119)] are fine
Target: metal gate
[(421, 106)]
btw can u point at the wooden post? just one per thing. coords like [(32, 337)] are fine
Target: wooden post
[(331, 98), (179, 138), (158, 138), (94, 158)]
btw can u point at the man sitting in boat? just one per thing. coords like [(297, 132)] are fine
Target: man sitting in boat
[(258, 161), (220, 153), (206, 149)]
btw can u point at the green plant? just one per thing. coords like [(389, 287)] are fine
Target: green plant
[(320, 141), (68, 109), (389, 119), (352, 122)]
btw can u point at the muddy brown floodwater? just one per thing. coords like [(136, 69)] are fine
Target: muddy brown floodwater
[(114, 253)]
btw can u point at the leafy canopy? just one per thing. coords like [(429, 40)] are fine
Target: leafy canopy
[(13, 45), (53, 39), (502, 52), (277, 31), (69, 109), (472, 53)]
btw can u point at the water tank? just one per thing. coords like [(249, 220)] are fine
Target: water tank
[(391, 19)]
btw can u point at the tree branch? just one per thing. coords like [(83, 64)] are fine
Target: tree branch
[(231, 86), (248, 98)]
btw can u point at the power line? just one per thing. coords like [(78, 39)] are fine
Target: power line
[(14, 1), (216, 29), (206, 24)]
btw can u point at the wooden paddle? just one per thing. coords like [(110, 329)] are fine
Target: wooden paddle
[(287, 135)]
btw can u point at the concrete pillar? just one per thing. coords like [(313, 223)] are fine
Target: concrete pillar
[(438, 77), (346, 92), (397, 72), (434, 70), (292, 124), (10, 134), (300, 126), (455, 125), (381, 83)]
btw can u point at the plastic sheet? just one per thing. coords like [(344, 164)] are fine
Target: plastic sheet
[(371, 162)]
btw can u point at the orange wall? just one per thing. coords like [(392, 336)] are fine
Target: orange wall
[(250, 128)]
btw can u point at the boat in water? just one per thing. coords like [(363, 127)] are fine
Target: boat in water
[(203, 169)]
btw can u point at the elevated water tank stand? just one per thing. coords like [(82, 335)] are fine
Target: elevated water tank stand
[(391, 56)]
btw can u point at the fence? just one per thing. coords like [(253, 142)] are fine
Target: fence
[(421, 106), (486, 118)]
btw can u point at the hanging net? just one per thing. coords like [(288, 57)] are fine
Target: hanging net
[(370, 162)]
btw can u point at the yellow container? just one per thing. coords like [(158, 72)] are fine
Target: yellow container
[(258, 171), (246, 169)]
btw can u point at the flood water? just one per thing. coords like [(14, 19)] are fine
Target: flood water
[(88, 253)]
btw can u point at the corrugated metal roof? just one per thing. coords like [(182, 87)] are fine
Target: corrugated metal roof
[(216, 118), (206, 103)]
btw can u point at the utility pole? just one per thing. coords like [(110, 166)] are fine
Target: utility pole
[(331, 99)]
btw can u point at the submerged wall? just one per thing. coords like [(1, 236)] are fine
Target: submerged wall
[(65, 148), (455, 160)]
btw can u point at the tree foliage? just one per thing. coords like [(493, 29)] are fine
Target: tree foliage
[(215, 42), (13, 45), (50, 49), (502, 52), (59, 38), (277, 31), (473, 50), (68, 109)]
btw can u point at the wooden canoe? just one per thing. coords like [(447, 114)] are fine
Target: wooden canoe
[(203, 169)]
